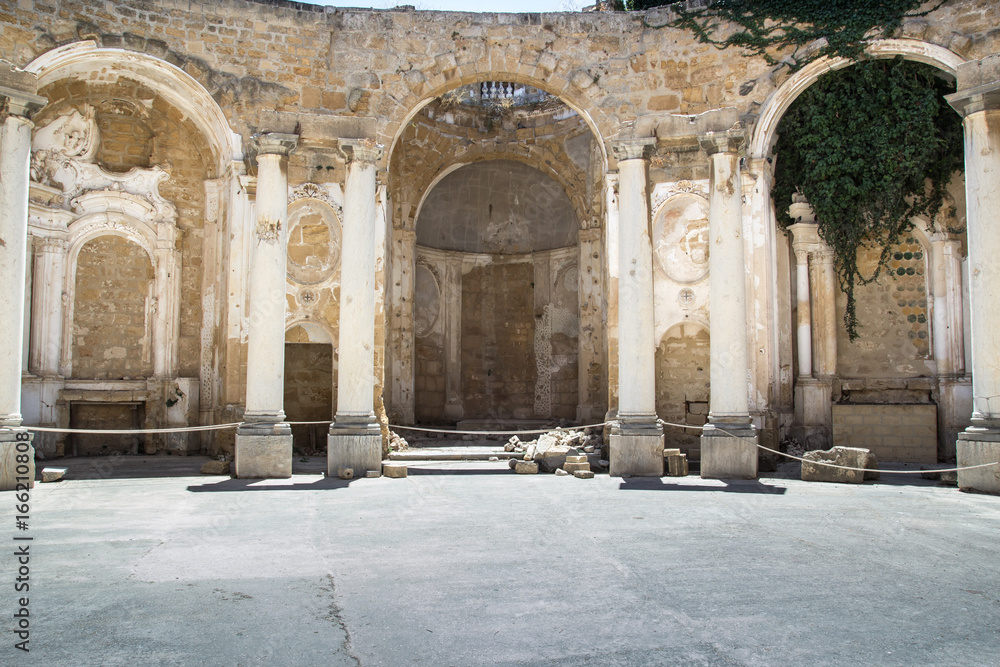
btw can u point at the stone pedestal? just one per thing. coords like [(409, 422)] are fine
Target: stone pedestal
[(10, 468), (726, 457), (975, 447), (263, 451), (358, 448), (813, 413), (636, 450)]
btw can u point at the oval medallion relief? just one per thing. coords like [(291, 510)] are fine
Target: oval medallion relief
[(680, 238), (313, 241), (427, 305)]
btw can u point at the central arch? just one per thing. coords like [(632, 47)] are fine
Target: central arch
[(497, 203)]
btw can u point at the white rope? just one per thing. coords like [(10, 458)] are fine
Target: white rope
[(98, 431), (834, 465)]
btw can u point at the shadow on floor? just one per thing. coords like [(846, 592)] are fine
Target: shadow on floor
[(731, 486)]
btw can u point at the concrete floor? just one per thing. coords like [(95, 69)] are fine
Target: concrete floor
[(469, 564)]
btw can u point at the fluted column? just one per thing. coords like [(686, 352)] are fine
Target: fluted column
[(978, 101), (722, 455), (637, 440), (355, 439), (263, 440), (15, 148)]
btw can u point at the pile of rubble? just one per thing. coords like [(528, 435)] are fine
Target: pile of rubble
[(576, 453)]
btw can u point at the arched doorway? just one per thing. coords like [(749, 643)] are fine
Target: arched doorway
[(498, 193)]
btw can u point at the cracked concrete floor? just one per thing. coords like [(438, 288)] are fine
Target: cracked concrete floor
[(469, 564)]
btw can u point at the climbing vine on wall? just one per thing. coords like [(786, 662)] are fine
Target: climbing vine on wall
[(768, 27), (869, 147)]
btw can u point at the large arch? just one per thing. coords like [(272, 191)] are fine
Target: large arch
[(777, 103), (555, 85), (83, 59)]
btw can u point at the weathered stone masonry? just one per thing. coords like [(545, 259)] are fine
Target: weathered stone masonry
[(660, 146)]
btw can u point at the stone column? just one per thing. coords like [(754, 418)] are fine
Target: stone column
[(978, 100), (817, 339), (264, 440), (611, 281), (722, 455), (166, 320), (637, 439), (15, 148), (451, 300), (948, 335), (355, 439)]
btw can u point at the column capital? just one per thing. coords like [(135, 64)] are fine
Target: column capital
[(978, 86), (636, 148), (728, 141), (361, 150), (275, 143), (21, 102), (805, 236), (973, 100)]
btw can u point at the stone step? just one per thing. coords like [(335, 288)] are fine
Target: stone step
[(454, 453)]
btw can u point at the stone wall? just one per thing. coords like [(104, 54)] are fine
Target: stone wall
[(906, 433), (682, 383), (893, 318), (112, 318), (310, 394)]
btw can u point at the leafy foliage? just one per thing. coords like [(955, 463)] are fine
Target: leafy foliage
[(769, 25), (870, 147)]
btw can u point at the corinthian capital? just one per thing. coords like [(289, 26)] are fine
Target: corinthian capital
[(361, 150)]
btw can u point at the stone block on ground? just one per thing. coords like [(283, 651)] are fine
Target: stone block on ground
[(525, 467), (373, 474), (56, 474), (677, 465), (671, 452), (394, 470), (576, 459), (574, 467), (345, 473), (583, 474), (561, 473), (212, 468), (554, 457), (851, 457)]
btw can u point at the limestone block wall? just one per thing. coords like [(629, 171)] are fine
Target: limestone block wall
[(310, 392), (893, 318), (112, 319), (906, 433)]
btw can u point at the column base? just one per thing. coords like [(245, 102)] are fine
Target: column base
[(355, 444), (263, 451), (637, 449), (726, 457), (814, 413), (10, 448), (976, 446)]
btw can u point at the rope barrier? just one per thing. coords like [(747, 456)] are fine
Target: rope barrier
[(662, 422), (832, 465), (98, 431)]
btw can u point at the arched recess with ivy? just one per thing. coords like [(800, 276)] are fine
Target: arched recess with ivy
[(932, 373)]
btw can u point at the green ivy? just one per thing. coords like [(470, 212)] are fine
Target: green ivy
[(869, 147), (770, 26)]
